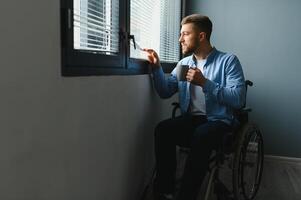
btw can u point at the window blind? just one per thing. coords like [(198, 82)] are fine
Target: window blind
[(156, 24), (96, 25)]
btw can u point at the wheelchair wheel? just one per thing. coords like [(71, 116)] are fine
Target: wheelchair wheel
[(248, 163)]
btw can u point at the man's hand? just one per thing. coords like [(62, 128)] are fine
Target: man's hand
[(152, 57), (195, 76)]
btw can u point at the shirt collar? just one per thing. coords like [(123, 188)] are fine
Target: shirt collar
[(208, 59)]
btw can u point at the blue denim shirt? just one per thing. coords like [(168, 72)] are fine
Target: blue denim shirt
[(224, 89)]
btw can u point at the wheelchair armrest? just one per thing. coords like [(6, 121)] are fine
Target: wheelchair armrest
[(241, 111), (242, 114), (246, 110), (176, 106)]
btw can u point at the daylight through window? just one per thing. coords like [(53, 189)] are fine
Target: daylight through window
[(156, 24), (96, 25)]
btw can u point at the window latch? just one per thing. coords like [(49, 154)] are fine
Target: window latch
[(132, 37), (136, 44)]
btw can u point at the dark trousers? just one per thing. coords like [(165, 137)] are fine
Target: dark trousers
[(195, 132)]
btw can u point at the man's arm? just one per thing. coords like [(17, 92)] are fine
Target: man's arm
[(234, 93), (165, 87)]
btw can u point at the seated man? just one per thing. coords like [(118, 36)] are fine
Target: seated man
[(213, 88)]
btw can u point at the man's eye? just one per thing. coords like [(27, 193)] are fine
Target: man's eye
[(184, 34)]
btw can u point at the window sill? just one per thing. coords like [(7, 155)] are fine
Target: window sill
[(135, 67)]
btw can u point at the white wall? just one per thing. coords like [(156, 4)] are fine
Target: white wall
[(67, 138), (266, 37)]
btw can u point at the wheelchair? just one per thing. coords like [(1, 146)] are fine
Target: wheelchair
[(241, 153)]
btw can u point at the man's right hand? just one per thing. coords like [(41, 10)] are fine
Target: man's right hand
[(152, 57)]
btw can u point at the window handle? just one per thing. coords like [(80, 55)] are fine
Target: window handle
[(132, 37), (136, 44)]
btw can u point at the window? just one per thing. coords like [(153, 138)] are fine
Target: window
[(99, 37)]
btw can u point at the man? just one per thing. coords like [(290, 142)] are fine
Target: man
[(214, 87)]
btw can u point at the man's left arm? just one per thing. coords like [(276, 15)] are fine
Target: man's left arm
[(233, 94)]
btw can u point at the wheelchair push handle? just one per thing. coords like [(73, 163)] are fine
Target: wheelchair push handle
[(249, 83), (176, 106)]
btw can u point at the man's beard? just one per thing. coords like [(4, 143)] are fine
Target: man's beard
[(192, 49), (189, 51)]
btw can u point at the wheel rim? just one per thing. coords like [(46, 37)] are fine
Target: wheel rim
[(251, 163)]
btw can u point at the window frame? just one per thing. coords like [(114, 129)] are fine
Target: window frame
[(76, 62)]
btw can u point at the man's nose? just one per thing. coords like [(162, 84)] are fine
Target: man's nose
[(180, 38)]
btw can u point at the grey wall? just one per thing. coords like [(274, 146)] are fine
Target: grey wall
[(266, 37), (67, 138)]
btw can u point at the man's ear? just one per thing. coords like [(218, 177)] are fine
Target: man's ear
[(202, 36)]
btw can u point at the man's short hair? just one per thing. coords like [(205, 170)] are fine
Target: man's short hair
[(203, 23)]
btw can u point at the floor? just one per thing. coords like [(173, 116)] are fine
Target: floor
[(281, 180)]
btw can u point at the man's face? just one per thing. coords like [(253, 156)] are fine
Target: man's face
[(189, 38)]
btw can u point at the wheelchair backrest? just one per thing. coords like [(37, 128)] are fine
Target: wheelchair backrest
[(242, 113)]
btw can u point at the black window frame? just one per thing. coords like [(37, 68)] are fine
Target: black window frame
[(86, 63)]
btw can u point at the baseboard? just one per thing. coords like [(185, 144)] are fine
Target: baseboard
[(282, 158)]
